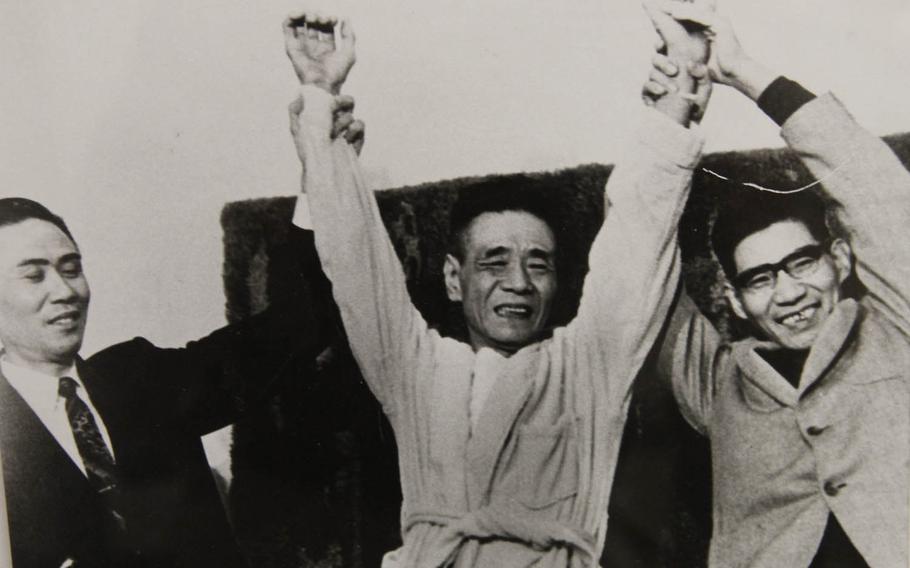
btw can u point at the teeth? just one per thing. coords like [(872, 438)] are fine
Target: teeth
[(513, 310), (799, 316)]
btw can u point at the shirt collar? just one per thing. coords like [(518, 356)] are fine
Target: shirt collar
[(38, 389)]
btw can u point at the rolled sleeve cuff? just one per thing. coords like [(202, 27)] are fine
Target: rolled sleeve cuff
[(782, 98), (302, 213), (824, 118)]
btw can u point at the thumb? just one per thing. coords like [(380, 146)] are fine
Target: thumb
[(294, 110), (348, 38), (666, 27), (703, 87)]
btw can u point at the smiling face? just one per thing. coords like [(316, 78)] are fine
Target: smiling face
[(506, 279), (44, 296), (790, 311)]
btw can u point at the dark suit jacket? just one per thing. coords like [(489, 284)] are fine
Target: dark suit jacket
[(155, 403)]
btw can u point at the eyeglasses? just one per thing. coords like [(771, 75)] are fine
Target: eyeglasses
[(798, 265)]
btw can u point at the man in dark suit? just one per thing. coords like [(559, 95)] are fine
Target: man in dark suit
[(102, 460)]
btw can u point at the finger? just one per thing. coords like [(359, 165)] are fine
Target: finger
[(653, 89), (311, 31), (703, 86), (698, 70), (690, 12), (296, 19), (660, 46), (326, 37), (341, 123), (348, 38), (664, 64), (703, 94), (289, 27), (296, 106), (356, 135), (667, 28), (668, 83), (294, 110), (344, 103)]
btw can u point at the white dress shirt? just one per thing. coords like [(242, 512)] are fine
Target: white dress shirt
[(40, 392)]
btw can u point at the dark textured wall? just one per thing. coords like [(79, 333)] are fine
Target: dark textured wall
[(315, 472)]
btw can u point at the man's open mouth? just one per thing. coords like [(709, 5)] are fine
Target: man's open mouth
[(796, 318), (522, 311), (66, 319)]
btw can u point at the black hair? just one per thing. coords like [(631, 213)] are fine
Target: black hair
[(18, 209), (747, 212), (497, 195)]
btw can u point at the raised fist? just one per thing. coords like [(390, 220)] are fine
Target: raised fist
[(320, 48)]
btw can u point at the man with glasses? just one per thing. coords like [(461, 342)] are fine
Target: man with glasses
[(809, 419)]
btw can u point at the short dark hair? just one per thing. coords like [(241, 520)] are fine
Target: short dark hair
[(749, 211), (18, 209), (497, 195)]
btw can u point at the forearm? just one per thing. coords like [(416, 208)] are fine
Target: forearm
[(356, 254), (750, 77), (634, 261), (872, 189), (687, 360)]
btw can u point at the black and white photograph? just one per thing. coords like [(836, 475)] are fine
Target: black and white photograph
[(400, 284)]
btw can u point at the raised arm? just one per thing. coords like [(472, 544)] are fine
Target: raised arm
[(634, 261), (385, 331), (873, 189), (855, 167)]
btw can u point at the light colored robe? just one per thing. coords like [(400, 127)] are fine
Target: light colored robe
[(529, 485)]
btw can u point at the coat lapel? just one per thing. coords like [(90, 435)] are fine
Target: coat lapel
[(825, 350), (105, 402), (27, 441), (759, 373), (829, 343)]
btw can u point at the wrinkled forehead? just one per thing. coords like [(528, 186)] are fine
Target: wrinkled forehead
[(512, 230), (33, 239), (772, 244)]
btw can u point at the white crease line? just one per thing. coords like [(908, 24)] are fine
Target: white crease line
[(777, 191)]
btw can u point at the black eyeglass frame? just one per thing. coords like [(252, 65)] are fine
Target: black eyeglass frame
[(812, 253)]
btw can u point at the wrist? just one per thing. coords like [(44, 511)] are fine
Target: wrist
[(319, 82), (750, 77)]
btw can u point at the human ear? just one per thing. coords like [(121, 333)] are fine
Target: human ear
[(451, 272), (843, 259), (735, 303)]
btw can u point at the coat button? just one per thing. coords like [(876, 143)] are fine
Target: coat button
[(832, 488), (815, 430)]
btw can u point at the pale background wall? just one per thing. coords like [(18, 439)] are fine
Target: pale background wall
[(138, 120)]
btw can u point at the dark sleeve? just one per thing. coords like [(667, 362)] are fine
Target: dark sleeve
[(782, 98), (212, 381)]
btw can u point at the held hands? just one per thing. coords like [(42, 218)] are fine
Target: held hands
[(320, 48), (679, 85), (343, 123), (663, 82), (322, 52), (727, 55), (728, 63)]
